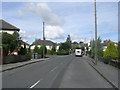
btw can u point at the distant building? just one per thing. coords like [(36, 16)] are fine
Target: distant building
[(7, 27), (49, 44)]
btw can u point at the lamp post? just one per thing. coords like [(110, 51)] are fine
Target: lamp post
[(43, 39), (95, 32)]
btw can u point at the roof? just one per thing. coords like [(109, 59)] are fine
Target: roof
[(7, 26), (22, 42), (46, 42), (106, 42)]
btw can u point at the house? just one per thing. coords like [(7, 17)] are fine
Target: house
[(106, 43), (22, 43), (49, 44), (7, 27)]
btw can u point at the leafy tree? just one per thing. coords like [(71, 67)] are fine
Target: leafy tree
[(11, 40), (54, 48), (81, 42), (68, 39), (119, 50), (75, 42), (65, 46), (36, 49), (99, 48), (42, 48), (5, 49), (111, 51)]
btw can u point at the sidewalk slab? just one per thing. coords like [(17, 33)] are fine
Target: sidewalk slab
[(109, 72), (20, 64)]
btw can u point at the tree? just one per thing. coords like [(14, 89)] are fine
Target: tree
[(36, 49), (75, 42), (111, 51), (11, 40), (41, 50), (81, 42), (68, 39), (99, 48), (65, 46), (54, 48)]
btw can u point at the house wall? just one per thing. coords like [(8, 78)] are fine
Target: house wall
[(9, 32), (47, 46)]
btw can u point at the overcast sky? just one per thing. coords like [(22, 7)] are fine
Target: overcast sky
[(61, 19)]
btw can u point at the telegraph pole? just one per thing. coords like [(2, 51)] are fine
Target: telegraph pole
[(43, 39), (95, 32)]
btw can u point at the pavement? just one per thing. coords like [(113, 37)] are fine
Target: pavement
[(20, 64), (107, 71), (56, 72)]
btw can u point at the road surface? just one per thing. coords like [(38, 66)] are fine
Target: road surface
[(57, 72)]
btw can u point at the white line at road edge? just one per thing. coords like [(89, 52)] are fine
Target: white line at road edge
[(35, 84)]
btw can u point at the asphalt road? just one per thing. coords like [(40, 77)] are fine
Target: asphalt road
[(56, 72)]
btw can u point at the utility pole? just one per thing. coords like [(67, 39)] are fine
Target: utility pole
[(95, 32), (43, 39)]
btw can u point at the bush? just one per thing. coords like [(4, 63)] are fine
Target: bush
[(29, 54), (107, 60), (63, 52), (51, 52), (111, 51), (22, 51)]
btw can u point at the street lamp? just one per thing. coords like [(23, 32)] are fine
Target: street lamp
[(43, 39), (95, 32)]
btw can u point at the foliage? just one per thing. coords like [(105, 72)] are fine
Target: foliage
[(36, 49), (51, 52), (81, 42), (62, 52), (65, 46), (111, 51), (22, 51), (119, 50), (99, 48), (54, 48), (41, 49), (12, 41), (75, 42), (5, 49), (68, 39)]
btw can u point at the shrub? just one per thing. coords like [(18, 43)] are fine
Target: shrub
[(51, 52), (111, 51), (107, 60), (63, 52), (22, 51)]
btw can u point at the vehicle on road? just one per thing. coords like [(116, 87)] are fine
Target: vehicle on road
[(78, 52)]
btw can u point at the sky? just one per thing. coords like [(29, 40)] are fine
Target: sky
[(61, 19)]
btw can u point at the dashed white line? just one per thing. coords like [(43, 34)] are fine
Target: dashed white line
[(35, 84)]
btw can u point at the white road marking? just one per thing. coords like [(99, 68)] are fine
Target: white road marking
[(35, 84), (53, 69)]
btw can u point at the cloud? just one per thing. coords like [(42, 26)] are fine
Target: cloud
[(21, 13), (78, 38), (54, 32), (45, 13), (25, 35)]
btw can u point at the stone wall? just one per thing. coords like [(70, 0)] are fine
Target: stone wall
[(14, 59)]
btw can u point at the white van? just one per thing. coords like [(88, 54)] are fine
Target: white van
[(78, 52)]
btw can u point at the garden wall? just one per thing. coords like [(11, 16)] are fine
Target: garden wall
[(13, 59)]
